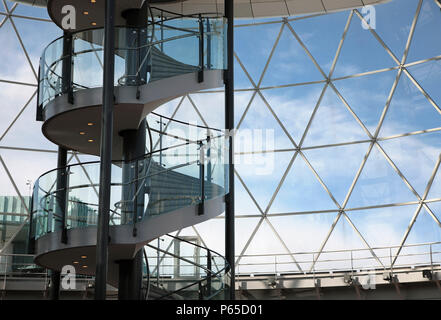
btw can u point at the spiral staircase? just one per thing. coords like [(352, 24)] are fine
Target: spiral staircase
[(153, 193)]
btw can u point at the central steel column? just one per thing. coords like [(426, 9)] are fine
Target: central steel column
[(229, 125), (132, 210), (60, 219), (105, 152)]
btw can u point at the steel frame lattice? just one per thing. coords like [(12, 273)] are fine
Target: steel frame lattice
[(341, 208)]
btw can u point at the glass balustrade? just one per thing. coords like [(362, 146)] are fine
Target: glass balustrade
[(182, 267), (182, 173), (163, 49)]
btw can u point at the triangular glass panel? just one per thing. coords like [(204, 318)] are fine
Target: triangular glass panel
[(333, 123), (396, 20), (367, 95), (26, 132), (241, 80), (415, 156), (23, 174), (379, 184), (265, 242), (290, 63), (435, 189), (428, 75), (12, 210), (345, 250), (158, 123), (168, 108), (48, 32), (258, 36), (426, 33), (212, 235), (302, 234), (409, 111), (241, 101), (416, 250), (435, 207), (383, 227), (321, 35), (301, 192), (337, 166), (184, 125), (244, 228), (361, 52), (262, 173), (212, 107), (14, 64), (13, 98), (260, 130), (30, 11), (294, 106), (243, 204)]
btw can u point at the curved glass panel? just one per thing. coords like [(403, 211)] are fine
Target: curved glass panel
[(179, 267), (142, 55), (182, 174)]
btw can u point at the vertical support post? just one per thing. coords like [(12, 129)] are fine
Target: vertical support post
[(31, 238), (209, 275), (130, 271), (209, 165), (105, 152), (158, 261), (201, 50), (66, 85), (162, 31), (61, 205), (201, 178), (54, 291), (208, 44), (229, 126)]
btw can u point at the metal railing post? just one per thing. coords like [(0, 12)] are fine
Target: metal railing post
[(158, 262), (201, 50), (6, 270), (209, 274), (208, 44), (201, 178)]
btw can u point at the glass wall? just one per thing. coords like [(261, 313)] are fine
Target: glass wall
[(338, 142)]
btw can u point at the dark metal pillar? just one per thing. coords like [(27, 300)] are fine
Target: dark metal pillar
[(54, 290), (60, 217), (67, 66), (61, 206), (135, 58), (105, 152), (130, 278), (229, 125), (132, 209)]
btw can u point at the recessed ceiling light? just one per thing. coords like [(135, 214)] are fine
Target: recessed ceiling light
[(75, 262), (86, 12), (82, 133), (84, 266), (90, 124), (90, 140), (83, 257)]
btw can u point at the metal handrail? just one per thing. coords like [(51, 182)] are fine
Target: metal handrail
[(429, 253), (210, 274), (151, 44)]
